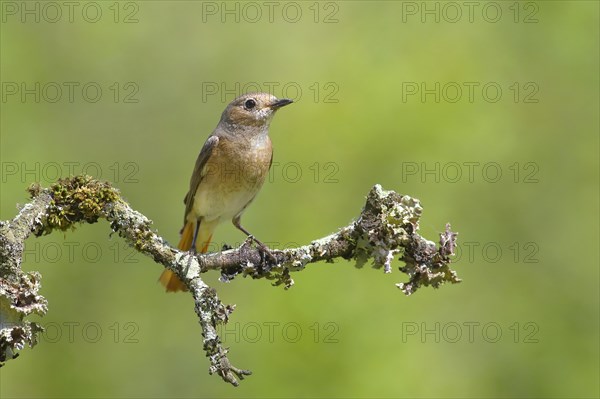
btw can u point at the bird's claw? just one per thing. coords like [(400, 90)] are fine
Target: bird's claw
[(264, 251)]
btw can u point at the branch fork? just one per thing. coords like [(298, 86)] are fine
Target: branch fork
[(386, 228)]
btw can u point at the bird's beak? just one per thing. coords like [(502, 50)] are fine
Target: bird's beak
[(280, 103)]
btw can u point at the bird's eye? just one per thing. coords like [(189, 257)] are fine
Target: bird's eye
[(249, 104)]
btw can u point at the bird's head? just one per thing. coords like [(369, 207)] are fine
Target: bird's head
[(253, 110)]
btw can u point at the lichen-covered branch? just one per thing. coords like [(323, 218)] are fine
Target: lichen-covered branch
[(386, 228)]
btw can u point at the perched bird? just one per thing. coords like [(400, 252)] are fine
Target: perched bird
[(229, 172)]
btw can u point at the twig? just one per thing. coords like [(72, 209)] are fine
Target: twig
[(386, 228)]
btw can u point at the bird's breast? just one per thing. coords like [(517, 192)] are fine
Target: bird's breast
[(233, 175)]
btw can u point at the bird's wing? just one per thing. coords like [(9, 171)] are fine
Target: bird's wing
[(198, 174)]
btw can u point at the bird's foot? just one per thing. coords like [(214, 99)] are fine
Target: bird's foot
[(267, 259)]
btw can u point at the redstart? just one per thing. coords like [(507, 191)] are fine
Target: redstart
[(229, 172)]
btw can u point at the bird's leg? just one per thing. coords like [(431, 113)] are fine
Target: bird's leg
[(193, 250), (264, 249), (196, 230)]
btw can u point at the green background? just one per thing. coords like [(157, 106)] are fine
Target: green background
[(529, 237)]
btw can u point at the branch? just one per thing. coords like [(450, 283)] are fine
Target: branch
[(387, 227)]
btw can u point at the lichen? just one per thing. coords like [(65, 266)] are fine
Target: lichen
[(17, 300), (427, 265), (15, 338), (74, 199), (392, 218), (139, 234)]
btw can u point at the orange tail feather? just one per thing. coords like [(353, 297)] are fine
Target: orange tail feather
[(168, 279)]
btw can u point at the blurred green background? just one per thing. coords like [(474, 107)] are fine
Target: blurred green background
[(512, 164)]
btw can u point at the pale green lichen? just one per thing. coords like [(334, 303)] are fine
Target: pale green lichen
[(395, 217), (17, 300)]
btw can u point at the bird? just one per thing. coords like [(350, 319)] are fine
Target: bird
[(229, 172)]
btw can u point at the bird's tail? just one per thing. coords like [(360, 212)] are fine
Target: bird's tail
[(168, 279)]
